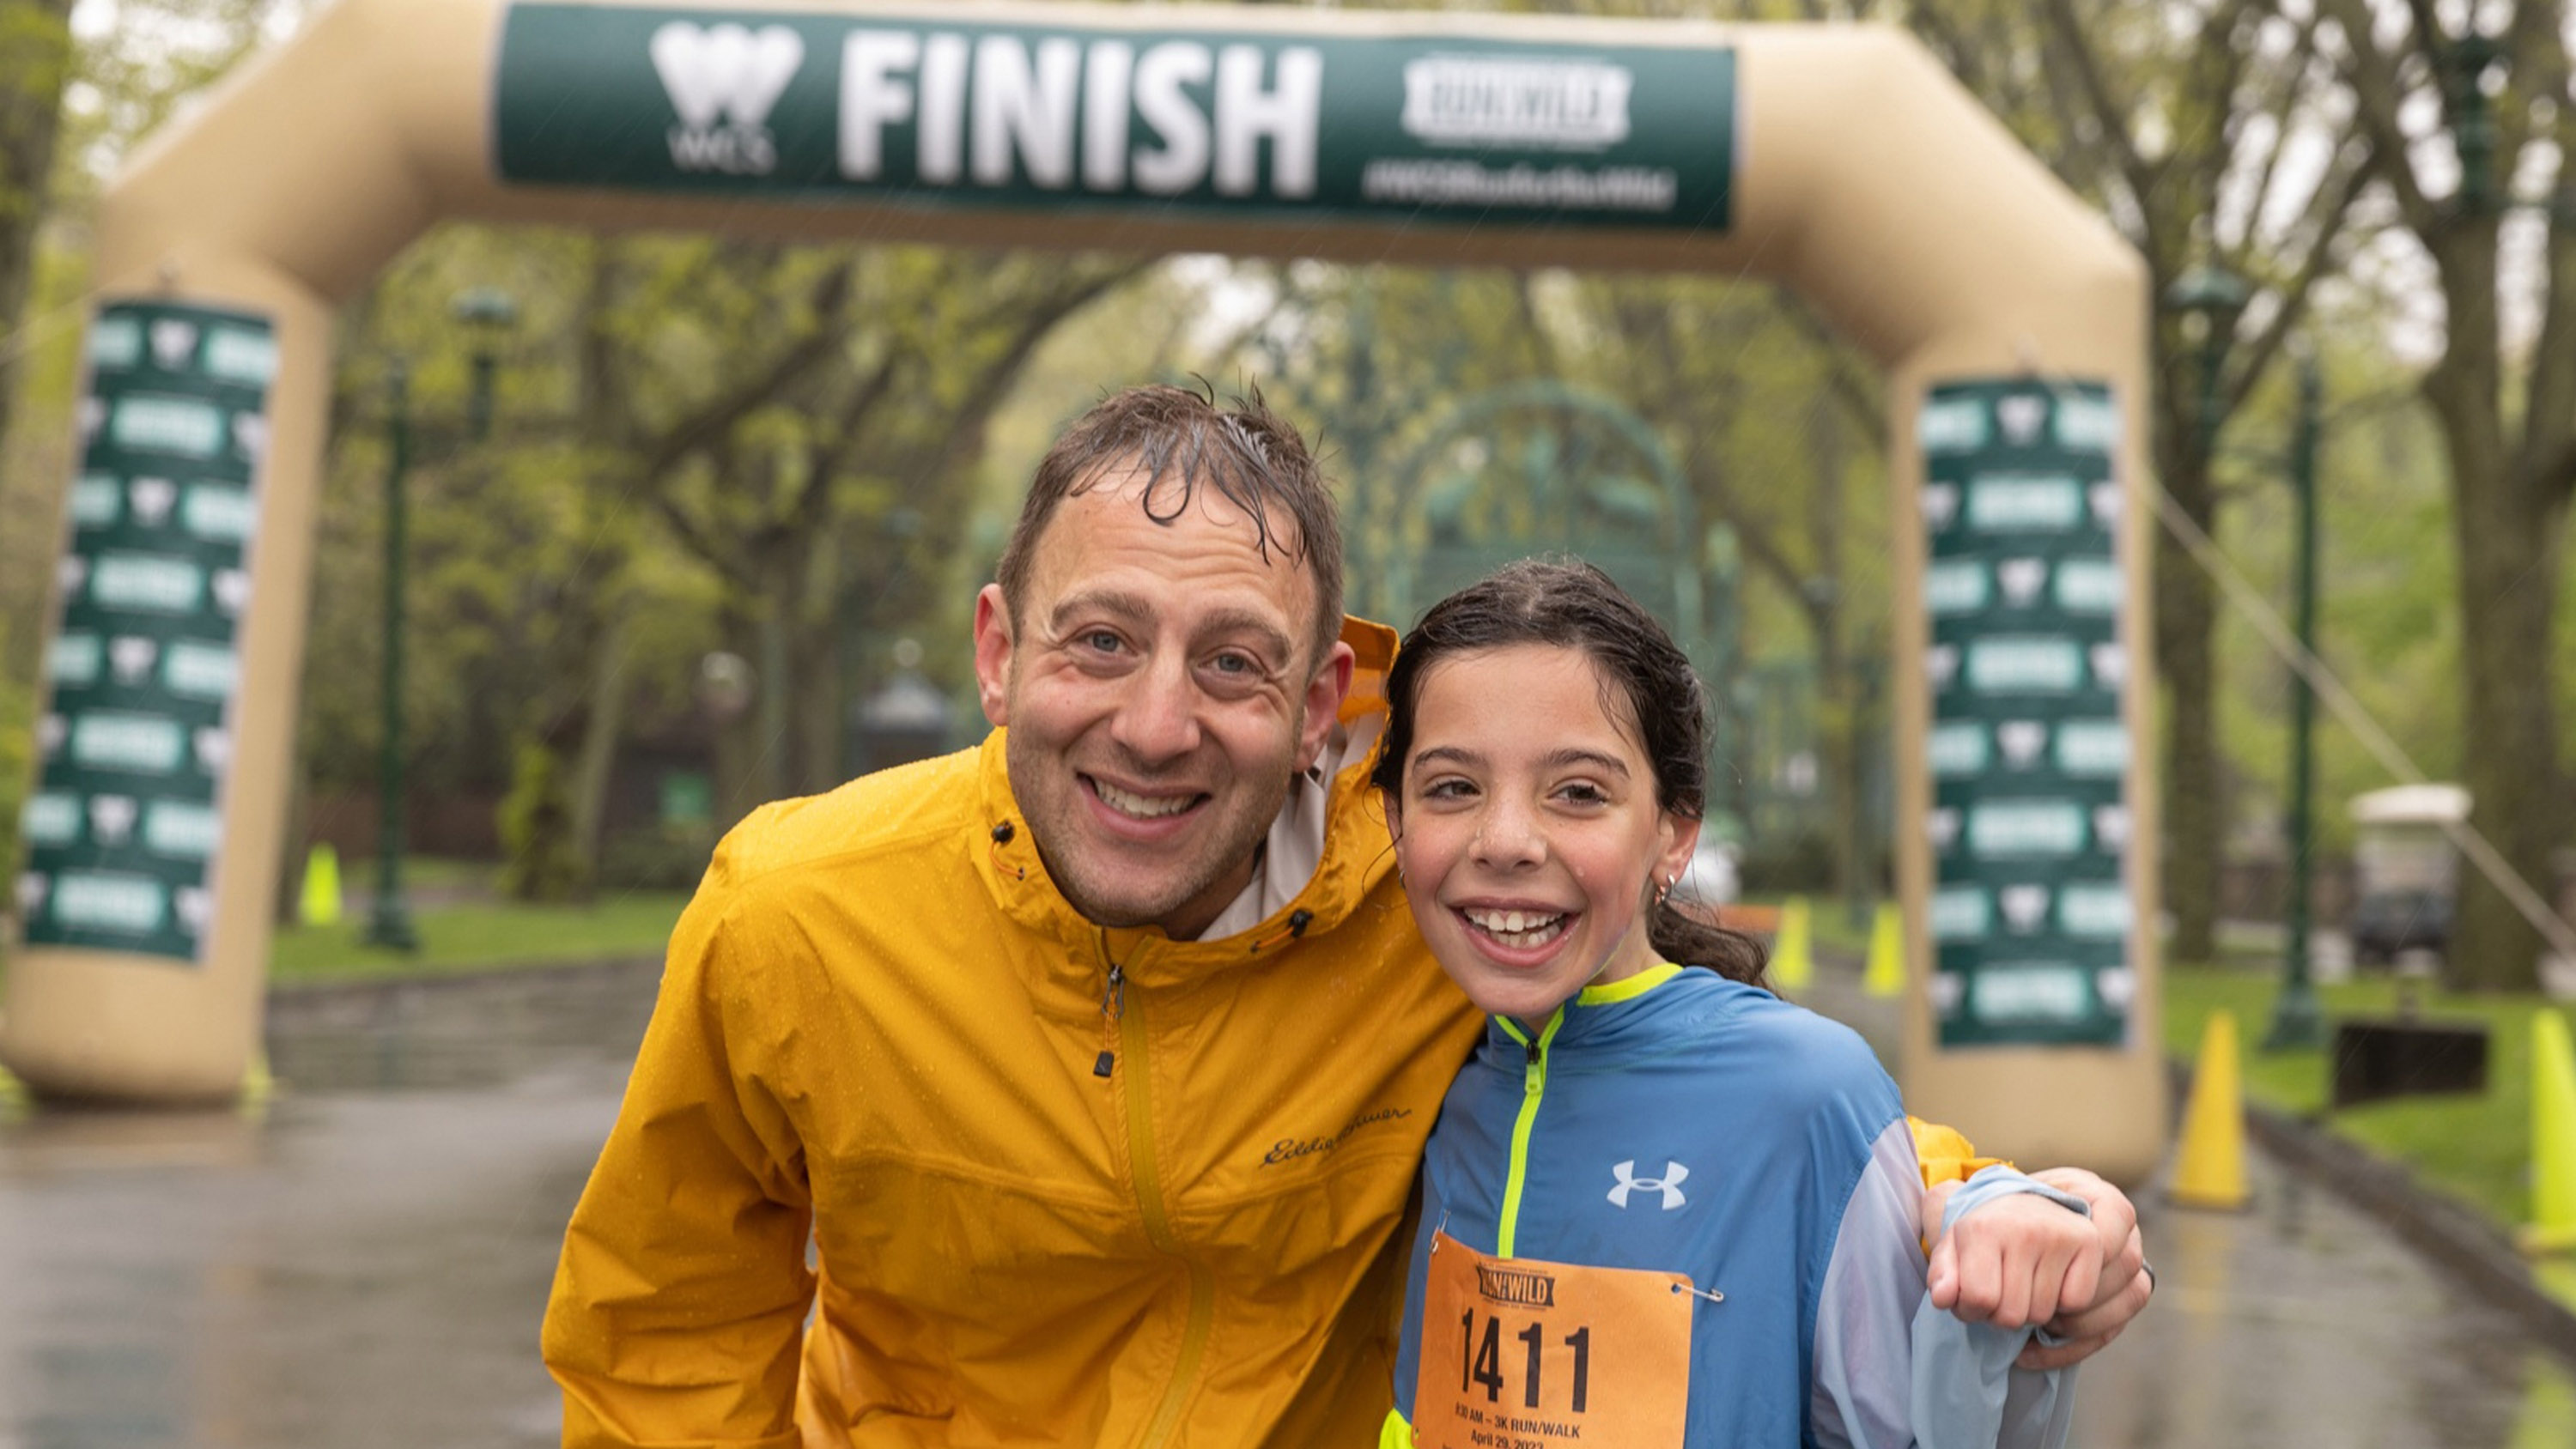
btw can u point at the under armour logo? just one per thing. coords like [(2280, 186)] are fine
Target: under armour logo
[(1670, 1184)]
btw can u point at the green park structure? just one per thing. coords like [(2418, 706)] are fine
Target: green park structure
[(1840, 160)]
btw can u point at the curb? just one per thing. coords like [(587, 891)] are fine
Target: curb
[(2475, 1252)]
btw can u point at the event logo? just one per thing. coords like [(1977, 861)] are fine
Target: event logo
[(1477, 100), (722, 80)]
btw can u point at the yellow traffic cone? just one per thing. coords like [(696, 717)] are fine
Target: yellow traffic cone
[(2209, 1166), (1793, 955), (2552, 1228), (15, 1102), (321, 903), (1885, 975), (258, 1088)]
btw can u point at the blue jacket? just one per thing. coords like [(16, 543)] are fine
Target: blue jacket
[(1681, 1122)]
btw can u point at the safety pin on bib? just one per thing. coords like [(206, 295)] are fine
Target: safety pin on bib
[(1711, 1294)]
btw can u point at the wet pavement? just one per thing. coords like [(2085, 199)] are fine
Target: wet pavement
[(366, 1266)]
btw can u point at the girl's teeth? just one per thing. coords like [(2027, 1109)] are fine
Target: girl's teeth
[(1519, 929)]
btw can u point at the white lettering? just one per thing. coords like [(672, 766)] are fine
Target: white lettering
[(1286, 114), (1107, 69), (1182, 160), (943, 110), (871, 96), (1031, 113)]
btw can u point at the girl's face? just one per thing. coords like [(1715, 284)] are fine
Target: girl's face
[(1528, 830)]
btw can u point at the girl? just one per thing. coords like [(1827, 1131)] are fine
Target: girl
[(1661, 1207)]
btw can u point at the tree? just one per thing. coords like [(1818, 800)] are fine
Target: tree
[(2212, 133), (35, 56), (2492, 175)]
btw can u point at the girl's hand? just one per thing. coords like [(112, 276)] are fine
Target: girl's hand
[(2014, 1262), (2089, 1324)]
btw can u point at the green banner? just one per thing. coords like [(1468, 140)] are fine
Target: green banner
[(1045, 117), (127, 818), (2030, 755)]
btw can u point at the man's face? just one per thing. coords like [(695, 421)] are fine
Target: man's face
[(1160, 697)]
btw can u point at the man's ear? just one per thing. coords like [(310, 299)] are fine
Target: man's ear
[(993, 654), (1326, 688)]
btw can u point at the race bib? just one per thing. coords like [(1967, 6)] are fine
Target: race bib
[(1520, 1354)]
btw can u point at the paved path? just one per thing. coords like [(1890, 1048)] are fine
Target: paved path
[(366, 1267)]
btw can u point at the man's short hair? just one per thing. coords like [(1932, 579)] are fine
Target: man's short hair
[(1181, 440)]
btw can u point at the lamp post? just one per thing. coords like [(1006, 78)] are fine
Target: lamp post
[(2207, 298), (389, 923), (486, 313), (2297, 1019)]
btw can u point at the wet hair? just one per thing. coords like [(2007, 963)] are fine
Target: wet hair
[(1647, 684), (1182, 441)]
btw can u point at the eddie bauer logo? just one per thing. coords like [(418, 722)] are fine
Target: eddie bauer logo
[(1483, 100), (722, 81), (1289, 1149), (1515, 1287)]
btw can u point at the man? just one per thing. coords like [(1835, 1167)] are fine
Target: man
[(1097, 1060)]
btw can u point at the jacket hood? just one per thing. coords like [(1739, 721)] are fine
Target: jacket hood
[(1355, 849)]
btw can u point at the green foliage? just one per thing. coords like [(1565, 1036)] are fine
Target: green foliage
[(542, 867)]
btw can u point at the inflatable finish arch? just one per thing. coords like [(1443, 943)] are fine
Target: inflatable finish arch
[(1841, 161)]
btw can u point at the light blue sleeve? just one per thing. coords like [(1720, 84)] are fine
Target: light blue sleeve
[(1861, 1394), (1966, 1392)]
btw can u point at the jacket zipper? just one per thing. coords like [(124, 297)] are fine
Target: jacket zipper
[(1533, 1088), (1129, 1027)]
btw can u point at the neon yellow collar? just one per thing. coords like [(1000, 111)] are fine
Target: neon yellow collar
[(1627, 988)]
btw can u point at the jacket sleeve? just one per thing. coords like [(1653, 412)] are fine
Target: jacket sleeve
[(1967, 1392), (1861, 1396), (680, 1298)]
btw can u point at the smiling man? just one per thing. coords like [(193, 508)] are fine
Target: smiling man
[(1070, 1089)]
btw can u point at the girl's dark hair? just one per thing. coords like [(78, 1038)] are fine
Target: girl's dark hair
[(1647, 682)]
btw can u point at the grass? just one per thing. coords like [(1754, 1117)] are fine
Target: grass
[(2478, 1148), (479, 936)]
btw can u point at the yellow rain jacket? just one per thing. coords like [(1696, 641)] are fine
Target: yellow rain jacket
[(1045, 1208)]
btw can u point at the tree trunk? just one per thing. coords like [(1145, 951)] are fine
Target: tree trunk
[(35, 53), (2195, 813), (2507, 572), (2508, 577), (604, 725)]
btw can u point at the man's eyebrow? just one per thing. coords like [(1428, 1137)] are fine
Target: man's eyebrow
[(1126, 607), (1244, 621)]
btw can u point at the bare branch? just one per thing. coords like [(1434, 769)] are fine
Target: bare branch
[(2377, 94), (2329, 208), (703, 428), (2112, 113)]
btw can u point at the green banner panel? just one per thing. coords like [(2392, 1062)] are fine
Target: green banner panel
[(1042, 117), (2030, 755), (126, 822)]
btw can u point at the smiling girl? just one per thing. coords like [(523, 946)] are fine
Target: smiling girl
[(1661, 1206)]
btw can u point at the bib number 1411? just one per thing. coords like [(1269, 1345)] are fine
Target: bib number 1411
[(1484, 1366), (1517, 1353)]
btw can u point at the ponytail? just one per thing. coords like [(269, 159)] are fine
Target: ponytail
[(1685, 938)]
